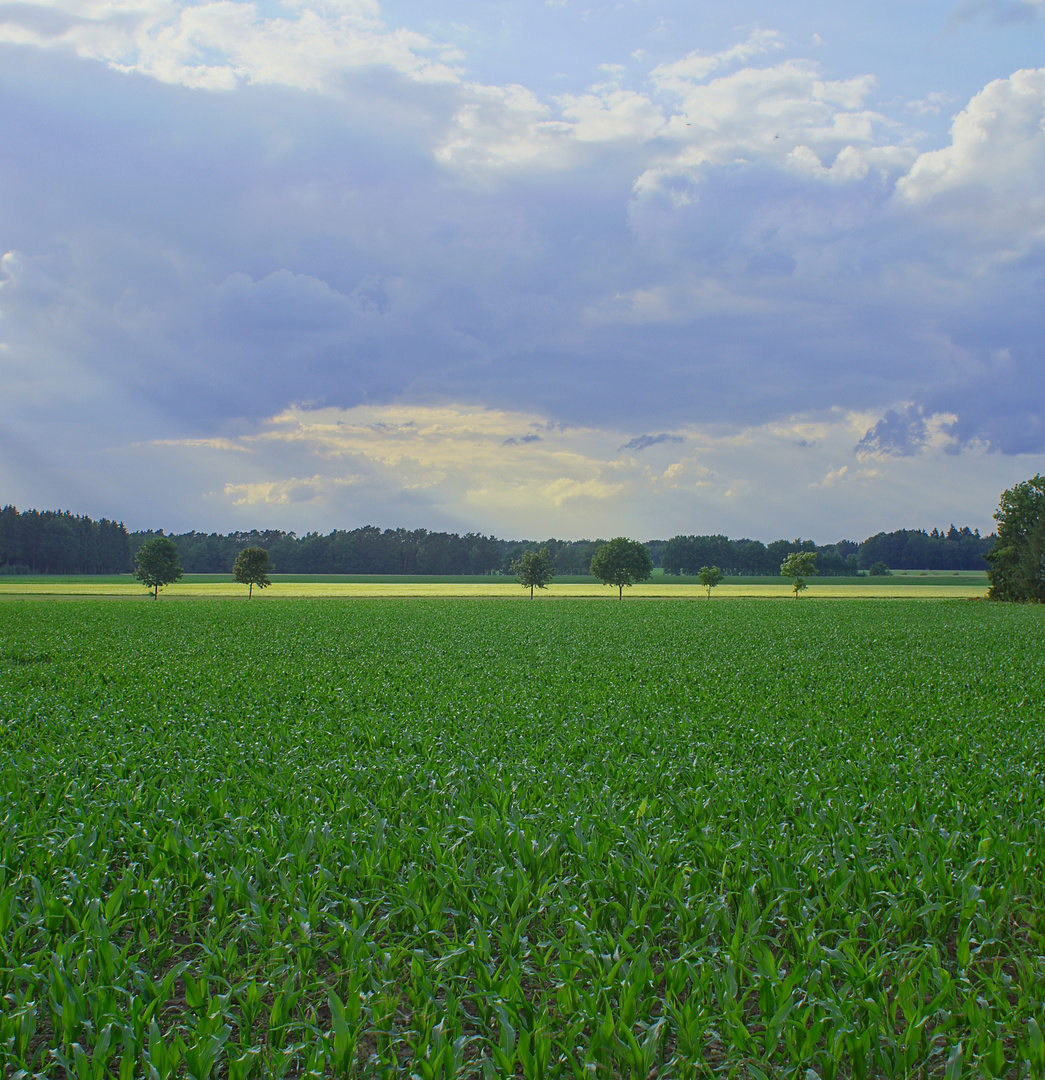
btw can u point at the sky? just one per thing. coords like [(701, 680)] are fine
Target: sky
[(546, 268)]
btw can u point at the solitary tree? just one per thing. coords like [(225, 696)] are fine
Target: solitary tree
[(1017, 560), (252, 568), (157, 564), (534, 569), (622, 562), (709, 577), (799, 565)]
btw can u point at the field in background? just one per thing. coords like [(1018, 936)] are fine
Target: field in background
[(440, 838), (965, 584)]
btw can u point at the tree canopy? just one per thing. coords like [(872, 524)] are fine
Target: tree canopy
[(622, 562), (156, 564), (57, 542), (798, 566), (1017, 562), (709, 577), (534, 569), (252, 568)]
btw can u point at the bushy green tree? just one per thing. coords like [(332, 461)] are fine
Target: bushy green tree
[(534, 569), (880, 569), (798, 566), (157, 564), (252, 568), (621, 562), (1017, 561), (709, 577)]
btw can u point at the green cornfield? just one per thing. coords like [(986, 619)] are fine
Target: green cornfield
[(444, 838)]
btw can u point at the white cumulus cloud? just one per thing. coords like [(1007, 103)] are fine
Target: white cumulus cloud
[(991, 178), (220, 44), (785, 114)]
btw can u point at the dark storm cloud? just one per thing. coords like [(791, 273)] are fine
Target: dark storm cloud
[(279, 247), (187, 262)]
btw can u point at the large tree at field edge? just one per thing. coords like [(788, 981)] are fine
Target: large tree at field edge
[(799, 565), (1017, 561), (252, 568), (621, 562), (157, 564), (534, 569)]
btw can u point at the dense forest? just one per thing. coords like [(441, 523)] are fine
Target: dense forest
[(904, 549), (687, 554), (912, 549), (56, 542)]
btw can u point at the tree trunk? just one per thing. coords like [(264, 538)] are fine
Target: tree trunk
[(250, 589)]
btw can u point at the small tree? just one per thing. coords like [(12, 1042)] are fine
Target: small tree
[(709, 577), (622, 562), (880, 569), (252, 568), (799, 565), (157, 564), (534, 569), (1016, 563)]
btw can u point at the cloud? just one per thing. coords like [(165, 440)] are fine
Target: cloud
[(291, 491), (680, 75), (453, 466), (459, 460), (503, 127), (999, 12), (609, 114), (847, 475), (510, 128), (213, 264), (566, 490), (990, 181), (785, 114), (220, 44), (641, 442), (850, 163), (931, 104), (236, 207), (216, 443), (905, 432)]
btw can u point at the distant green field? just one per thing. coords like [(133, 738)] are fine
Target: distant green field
[(964, 584), (905, 577), (896, 577), (480, 838)]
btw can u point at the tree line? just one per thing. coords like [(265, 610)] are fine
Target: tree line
[(910, 549), (687, 554), (57, 542), (370, 550), (903, 549)]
